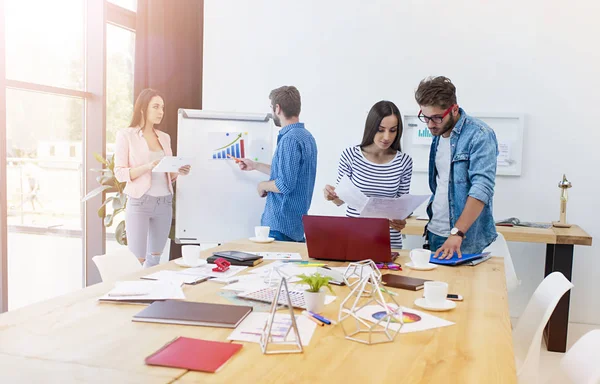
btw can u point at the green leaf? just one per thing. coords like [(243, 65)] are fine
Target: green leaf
[(108, 220), (96, 192), (100, 159), (123, 199), (120, 233), (315, 282), (102, 211), (106, 180), (117, 204), (117, 211)]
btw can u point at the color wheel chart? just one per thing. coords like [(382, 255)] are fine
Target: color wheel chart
[(232, 144)]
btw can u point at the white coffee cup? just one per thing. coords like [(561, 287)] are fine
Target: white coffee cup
[(191, 254), (420, 257), (435, 293), (262, 232)]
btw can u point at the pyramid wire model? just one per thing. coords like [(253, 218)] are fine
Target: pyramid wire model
[(367, 291), (266, 339)]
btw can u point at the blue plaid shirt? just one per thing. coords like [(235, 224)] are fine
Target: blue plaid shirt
[(294, 169)]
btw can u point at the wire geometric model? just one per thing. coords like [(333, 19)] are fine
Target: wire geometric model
[(360, 270), (366, 292), (266, 338)]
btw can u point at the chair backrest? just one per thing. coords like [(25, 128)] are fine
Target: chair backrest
[(116, 264), (580, 363), (500, 248), (527, 335)]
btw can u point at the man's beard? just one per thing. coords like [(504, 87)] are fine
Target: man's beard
[(448, 126), (277, 121)]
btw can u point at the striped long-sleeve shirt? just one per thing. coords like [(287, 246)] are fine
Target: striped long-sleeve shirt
[(378, 180), (294, 169)]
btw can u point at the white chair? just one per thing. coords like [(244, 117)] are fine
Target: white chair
[(581, 363), (527, 335), (500, 248), (116, 264)]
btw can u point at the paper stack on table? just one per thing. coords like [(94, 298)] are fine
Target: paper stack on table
[(207, 270), (144, 291), (175, 277), (251, 328)]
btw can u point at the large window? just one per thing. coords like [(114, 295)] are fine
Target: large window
[(45, 42), (55, 65), (120, 54)]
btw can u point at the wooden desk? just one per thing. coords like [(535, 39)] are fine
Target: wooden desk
[(99, 340), (559, 257)]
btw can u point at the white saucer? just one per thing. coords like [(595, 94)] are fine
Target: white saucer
[(262, 240), (181, 263), (427, 267), (422, 303)]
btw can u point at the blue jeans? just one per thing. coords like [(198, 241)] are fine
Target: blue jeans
[(281, 237), (148, 224), (435, 241)]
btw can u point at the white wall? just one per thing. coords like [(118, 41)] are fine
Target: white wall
[(536, 57)]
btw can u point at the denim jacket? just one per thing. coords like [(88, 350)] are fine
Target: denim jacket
[(473, 154)]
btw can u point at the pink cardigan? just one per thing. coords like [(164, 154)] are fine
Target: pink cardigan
[(131, 152)]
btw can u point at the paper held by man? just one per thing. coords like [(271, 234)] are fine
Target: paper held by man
[(390, 208)]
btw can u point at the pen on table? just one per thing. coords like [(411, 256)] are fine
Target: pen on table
[(319, 317), (314, 320), (234, 158), (387, 291), (119, 294), (312, 265)]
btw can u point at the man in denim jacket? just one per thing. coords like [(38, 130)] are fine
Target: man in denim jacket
[(462, 172)]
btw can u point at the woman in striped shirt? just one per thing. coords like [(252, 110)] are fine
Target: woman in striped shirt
[(377, 166)]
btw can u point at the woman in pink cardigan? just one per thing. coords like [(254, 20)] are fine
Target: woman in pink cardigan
[(150, 194)]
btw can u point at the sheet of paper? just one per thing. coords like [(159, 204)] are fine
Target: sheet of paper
[(266, 268), (394, 209), (350, 194), (172, 163), (144, 290), (174, 276), (504, 159), (206, 270), (277, 255), (251, 328), (414, 321)]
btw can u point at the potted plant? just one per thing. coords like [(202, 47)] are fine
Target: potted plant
[(109, 183), (314, 296)]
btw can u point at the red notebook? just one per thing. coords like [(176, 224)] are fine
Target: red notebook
[(194, 354)]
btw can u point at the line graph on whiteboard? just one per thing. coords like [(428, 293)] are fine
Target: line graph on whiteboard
[(233, 144)]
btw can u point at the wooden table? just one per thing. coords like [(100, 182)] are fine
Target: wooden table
[(559, 257), (79, 339)]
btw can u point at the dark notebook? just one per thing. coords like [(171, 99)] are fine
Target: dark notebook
[(237, 255), (403, 282), (248, 263), (190, 313)]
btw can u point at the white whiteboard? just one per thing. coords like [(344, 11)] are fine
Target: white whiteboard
[(217, 202), (416, 141)]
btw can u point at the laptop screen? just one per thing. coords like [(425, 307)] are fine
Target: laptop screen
[(347, 238)]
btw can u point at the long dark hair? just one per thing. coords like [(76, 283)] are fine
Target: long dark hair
[(377, 113), (141, 105)]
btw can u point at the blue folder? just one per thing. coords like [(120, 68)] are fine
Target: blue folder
[(466, 257)]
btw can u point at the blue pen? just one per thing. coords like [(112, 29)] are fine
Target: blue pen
[(321, 318)]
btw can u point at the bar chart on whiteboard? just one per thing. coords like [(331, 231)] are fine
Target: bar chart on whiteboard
[(227, 144)]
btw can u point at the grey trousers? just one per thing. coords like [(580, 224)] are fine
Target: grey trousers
[(148, 222)]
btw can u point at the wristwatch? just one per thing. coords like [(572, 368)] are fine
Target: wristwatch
[(457, 232)]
